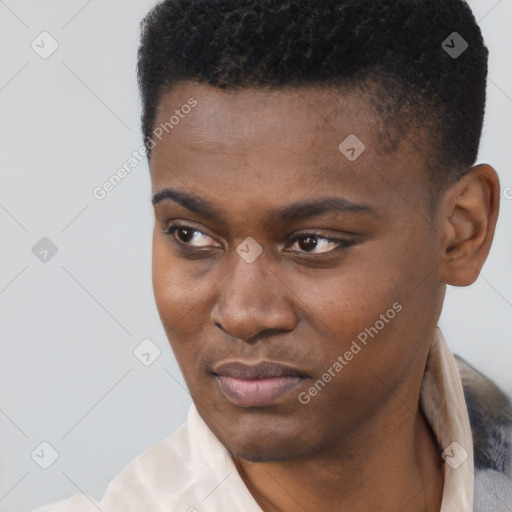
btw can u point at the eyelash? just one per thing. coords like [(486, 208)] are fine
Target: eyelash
[(343, 245)]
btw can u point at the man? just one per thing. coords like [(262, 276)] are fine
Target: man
[(314, 186)]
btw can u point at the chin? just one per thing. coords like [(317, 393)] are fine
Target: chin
[(264, 444), (261, 434)]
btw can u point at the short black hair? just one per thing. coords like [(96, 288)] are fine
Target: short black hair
[(401, 52)]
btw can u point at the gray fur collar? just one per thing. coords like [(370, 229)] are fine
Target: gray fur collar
[(490, 416)]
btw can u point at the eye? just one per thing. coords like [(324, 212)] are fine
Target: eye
[(308, 243), (189, 236), (312, 243)]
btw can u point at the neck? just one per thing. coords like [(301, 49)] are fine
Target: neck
[(387, 465)]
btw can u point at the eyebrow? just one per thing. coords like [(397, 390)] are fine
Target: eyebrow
[(293, 212)]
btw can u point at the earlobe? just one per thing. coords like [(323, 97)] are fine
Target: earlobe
[(469, 211)]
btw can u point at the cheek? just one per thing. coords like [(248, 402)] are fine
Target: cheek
[(395, 312), (348, 300), (376, 303), (181, 300), (180, 294)]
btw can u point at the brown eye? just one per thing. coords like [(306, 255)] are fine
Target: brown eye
[(190, 237), (311, 243), (184, 234), (308, 243)]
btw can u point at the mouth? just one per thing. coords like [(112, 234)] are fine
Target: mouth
[(259, 385)]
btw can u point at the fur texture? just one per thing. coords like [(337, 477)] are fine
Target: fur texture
[(490, 415)]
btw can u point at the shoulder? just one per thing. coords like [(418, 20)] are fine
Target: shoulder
[(140, 484), (490, 416), (178, 473)]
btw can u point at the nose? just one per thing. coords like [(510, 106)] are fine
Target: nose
[(253, 301)]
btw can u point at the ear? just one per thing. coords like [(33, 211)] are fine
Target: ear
[(468, 214)]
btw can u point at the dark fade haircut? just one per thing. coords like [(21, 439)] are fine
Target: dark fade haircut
[(389, 50)]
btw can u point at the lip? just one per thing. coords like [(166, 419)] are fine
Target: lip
[(257, 385)]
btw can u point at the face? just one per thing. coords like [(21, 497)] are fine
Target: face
[(296, 278)]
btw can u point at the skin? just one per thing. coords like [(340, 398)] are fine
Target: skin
[(250, 153)]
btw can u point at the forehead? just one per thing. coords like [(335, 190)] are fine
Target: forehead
[(305, 111), (318, 139)]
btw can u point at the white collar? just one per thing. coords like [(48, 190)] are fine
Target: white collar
[(442, 401)]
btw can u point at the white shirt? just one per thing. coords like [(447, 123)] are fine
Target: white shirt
[(191, 471)]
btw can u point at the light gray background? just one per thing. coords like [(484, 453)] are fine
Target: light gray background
[(69, 326)]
